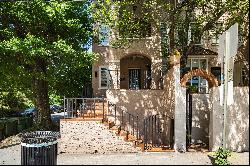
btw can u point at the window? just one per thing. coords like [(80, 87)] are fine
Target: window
[(194, 33), (103, 77), (104, 35), (216, 71), (243, 79), (216, 33), (198, 82)]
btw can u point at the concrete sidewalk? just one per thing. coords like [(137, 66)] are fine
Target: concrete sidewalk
[(12, 156)]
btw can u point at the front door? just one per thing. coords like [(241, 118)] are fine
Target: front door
[(134, 78)]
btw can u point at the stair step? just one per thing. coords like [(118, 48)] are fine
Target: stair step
[(86, 137)]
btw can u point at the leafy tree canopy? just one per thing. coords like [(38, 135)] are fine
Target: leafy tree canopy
[(42, 43), (173, 18), (204, 15)]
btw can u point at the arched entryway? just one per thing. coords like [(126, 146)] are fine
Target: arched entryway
[(212, 80), (198, 112), (135, 72)]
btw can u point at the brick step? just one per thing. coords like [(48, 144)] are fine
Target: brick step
[(155, 149)]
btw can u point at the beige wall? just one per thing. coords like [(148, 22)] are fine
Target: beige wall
[(109, 56), (207, 119), (237, 132), (142, 103), (237, 121), (201, 107)]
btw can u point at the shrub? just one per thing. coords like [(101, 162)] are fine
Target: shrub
[(221, 156)]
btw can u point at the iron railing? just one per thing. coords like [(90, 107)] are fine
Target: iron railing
[(157, 133), (158, 130), (125, 121), (84, 107), (111, 82)]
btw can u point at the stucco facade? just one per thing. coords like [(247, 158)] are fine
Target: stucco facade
[(111, 57), (170, 99)]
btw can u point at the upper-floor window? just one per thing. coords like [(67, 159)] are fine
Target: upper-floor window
[(194, 33), (216, 33), (104, 35), (104, 77), (199, 83)]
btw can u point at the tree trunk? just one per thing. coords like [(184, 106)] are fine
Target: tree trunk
[(42, 120)]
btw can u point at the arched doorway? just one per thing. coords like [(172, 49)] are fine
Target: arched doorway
[(198, 111), (135, 72)]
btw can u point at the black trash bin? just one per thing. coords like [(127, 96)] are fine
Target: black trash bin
[(39, 148)]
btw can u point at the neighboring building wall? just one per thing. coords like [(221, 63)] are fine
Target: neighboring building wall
[(103, 60), (240, 79), (237, 123)]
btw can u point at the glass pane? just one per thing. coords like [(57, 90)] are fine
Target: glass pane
[(104, 77), (195, 80), (188, 63), (203, 64), (203, 85), (103, 35), (195, 64)]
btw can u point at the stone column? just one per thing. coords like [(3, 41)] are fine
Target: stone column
[(180, 112)]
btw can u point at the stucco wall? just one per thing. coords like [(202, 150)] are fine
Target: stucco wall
[(109, 56), (201, 107), (141, 102), (237, 121)]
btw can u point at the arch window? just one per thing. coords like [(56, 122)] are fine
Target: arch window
[(197, 82)]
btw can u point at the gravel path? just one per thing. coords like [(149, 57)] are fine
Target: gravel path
[(12, 156)]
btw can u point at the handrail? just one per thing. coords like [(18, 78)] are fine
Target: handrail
[(153, 135), (78, 107), (132, 122)]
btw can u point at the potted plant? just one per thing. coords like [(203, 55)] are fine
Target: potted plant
[(192, 89)]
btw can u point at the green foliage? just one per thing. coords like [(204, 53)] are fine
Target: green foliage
[(192, 88), (221, 156), (55, 99), (52, 31), (13, 101), (203, 16), (43, 47)]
